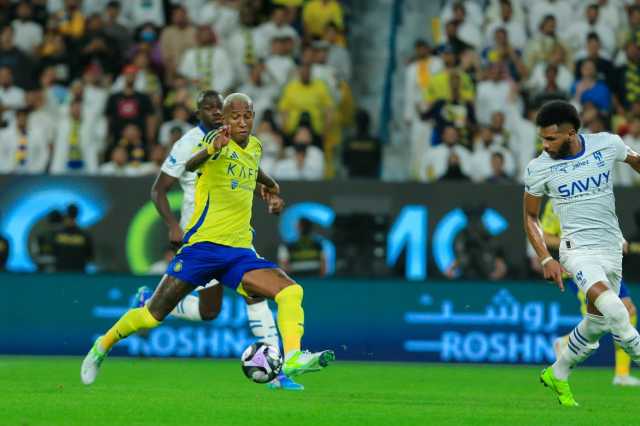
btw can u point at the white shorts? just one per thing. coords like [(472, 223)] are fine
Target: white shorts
[(587, 267)]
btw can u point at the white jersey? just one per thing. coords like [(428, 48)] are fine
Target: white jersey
[(174, 166), (581, 190)]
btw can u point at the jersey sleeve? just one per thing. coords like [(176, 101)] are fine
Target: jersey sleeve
[(175, 163), (534, 181), (622, 150)]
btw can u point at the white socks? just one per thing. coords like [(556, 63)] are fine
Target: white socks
[(188, 309), (262, 323), (583, 341), (619, 324)]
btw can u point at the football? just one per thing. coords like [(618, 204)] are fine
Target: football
[(261, 362)]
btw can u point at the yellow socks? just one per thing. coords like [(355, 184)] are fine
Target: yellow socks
[(290, 317), (132, 321), (623, 361)]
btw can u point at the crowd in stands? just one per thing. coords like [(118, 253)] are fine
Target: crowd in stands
[(106, 87), (471, 96)]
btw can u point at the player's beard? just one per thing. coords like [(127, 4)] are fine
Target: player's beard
[(563, 151)]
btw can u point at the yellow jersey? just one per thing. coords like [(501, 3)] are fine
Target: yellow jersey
[(224, 196), (549, 221)]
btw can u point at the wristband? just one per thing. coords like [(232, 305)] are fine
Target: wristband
[(546, 260)]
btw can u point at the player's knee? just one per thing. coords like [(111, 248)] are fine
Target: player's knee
[(209, 314), (612, 308)]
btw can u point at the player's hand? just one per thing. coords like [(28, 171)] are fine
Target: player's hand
[(266, 192), (175, 236), (215, 140), (553, 272), (275, 204)]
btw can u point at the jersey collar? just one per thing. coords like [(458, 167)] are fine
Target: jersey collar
[(579, 154)]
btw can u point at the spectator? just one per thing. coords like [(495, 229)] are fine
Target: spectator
[(449, 160), (24, 148), (478, 255), (279, 65), (261, 91), (452, 111), (551, 75), (42, 250), (453, 40), (440, 86), (502, 52), (627, 91), (515, 30), (540, 10), (303, 161), (485, 145), (146, 82), (180, 93), (466, 29), (132, 141), (114, 28), (277, 25), (303, 257), (72, 246), (70, 21), (541, 46), (418, 75), (319, 55), (498, 175), (12, 97), (40, 116), (27, 33), (272, 142), (338, 56), (316, 14), (119, 164), (176, 39), (130, 107), (78, 143), (146, 41), (94, 95), (245, 42), (139, 12), (576, 34), (55, 55), (495, 93), (96, 47), (174, 135), (593, 52), (362, 154), (625, 175), (493, 11), (630, 32), (180, 120), (152, 167), (15, 59), (207, 65), (304, 95), (589, 89), (218, 14)]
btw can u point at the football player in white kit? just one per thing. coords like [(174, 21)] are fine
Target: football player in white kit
[(207, 306), (576, 172)]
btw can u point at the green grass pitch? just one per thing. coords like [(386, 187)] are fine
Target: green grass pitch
[(184, 392)]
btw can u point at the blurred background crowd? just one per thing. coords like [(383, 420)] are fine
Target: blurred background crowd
[(106, 87)]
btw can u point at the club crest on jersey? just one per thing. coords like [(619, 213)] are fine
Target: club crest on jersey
[(177, 267), (172, 160), (234, 184), (599, 159)]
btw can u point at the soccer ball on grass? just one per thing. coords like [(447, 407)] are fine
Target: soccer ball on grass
[(261, 362)]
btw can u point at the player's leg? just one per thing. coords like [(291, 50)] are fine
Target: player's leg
[(167, 295), (622, 375), (276, 285), (561, 342)]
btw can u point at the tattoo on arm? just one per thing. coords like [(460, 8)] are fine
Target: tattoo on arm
[(265, 179)]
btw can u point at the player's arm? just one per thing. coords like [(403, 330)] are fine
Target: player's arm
[(551, 267), (553, 241), (212, 143), (159, 192), (270, 192), (633, 159)]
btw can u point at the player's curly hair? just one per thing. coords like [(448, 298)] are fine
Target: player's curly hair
[(558, 113)]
